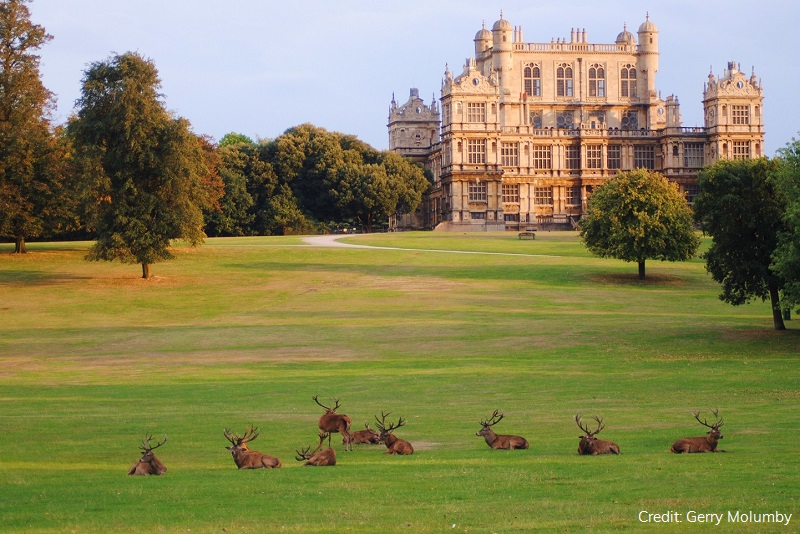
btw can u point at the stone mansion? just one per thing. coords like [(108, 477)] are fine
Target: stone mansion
[(526, 131)]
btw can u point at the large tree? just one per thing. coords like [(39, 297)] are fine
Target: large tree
[(152, 176), (636, 216), (738, 206), (786, 258), (32, 155)]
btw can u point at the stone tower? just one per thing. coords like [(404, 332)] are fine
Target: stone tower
[(413, 127)]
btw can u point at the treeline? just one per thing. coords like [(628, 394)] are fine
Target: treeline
[(309, 180), (133, 176)]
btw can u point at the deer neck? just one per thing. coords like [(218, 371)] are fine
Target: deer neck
[(489, 436)]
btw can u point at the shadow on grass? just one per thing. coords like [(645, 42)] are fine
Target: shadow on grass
[(41, 278)]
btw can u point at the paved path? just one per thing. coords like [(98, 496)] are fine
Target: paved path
[(333, 241)]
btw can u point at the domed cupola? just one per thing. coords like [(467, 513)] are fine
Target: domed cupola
[(502, 25), (625, 37), (483, 40), (647, 26)]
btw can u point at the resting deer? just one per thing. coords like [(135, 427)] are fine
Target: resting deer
[(394, 444), (331, 422), (318, 458), (243, 456), (364, 436), (148, 464), (499, 441), (707, 443), (590, 444)]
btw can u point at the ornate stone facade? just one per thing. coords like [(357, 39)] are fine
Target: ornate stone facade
[(527, 130)]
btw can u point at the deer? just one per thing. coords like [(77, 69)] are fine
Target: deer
[(246, 458), (590, 444), (318, 458), (500, 441), (331, 422), (364, 436), (148, 464), (394, 445), (707, 443)]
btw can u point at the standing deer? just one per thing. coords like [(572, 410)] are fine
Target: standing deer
[(243, 456), (148, 464), (393, 443), (499, 441), (707, 443), (590, 444), (364, 436), (318, 458), (331, 422)]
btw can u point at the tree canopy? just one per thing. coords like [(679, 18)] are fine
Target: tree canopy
[(152, 177), (739, 207), (786, 258), (636, 216), (33, 157)]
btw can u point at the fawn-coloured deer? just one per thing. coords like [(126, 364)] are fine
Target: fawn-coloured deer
[(368, 435), (320, 457), (707, 443), (496, 441), (590, 444), (148, 464), (394, 445), (331, 422), (246, 458)]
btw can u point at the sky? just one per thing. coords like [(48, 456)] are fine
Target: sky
[(260, 67)]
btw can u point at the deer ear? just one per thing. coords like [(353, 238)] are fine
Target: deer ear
[(229, 448)]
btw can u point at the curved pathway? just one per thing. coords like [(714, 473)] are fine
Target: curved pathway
[(332, 240)]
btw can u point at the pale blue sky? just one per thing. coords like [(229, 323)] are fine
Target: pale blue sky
[(259, 67)]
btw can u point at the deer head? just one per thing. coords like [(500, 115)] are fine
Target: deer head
[(489, 423), (324, 457), (240, 442), (394, 445), (386, 431), (148, 464), (326, 408), (714, 428)]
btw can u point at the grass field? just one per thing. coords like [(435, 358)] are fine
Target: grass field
[(245, 331)]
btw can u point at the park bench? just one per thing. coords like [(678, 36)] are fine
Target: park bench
[(528, 233)]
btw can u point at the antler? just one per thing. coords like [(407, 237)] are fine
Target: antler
[(494, 419), (382, 423), (716, 425), (589, 433), (304, 455), (327, 408), (236, 439), (146, 447)]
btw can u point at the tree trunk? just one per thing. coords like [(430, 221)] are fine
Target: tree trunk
[(145, 270), (641, 270), (777, 316), (19, 245)]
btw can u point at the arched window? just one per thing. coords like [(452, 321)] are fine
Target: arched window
[(564, 80), (627, 81), (597, 81), (533, 80)]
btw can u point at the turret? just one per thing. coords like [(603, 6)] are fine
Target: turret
[(483, 41), (503, 44), (648, 57)]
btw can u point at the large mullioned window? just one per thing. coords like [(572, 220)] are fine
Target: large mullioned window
[(597, 81), (476, 151), (627, 81), (476, 112), (532, 76), (564, 82)]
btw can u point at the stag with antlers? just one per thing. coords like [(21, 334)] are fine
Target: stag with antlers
[(148, 464), (496, 441), (707, 443), (331, 422), (246, 458), (369, 435), (394, 444), (590, 444), (320, 457)]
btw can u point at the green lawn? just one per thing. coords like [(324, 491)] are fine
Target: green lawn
[(245, 331)]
